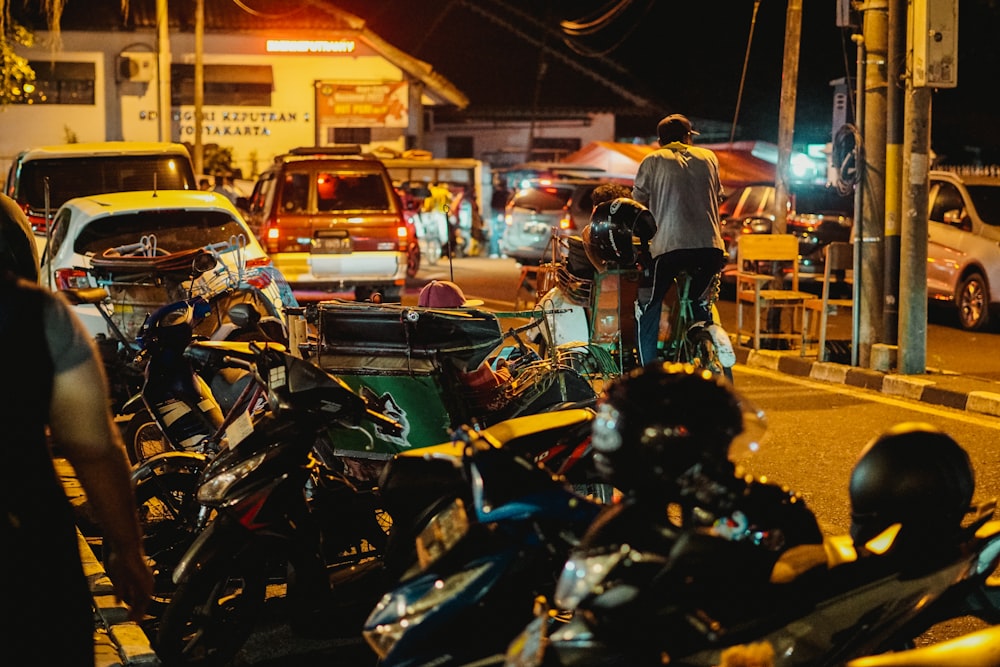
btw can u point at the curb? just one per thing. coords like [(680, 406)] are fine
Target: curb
[(923, 388), (128, 643)]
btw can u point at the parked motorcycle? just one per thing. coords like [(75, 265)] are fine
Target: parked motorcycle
[(131, 286), (185, 399), (494, 533), (280, 514), (918, 554)]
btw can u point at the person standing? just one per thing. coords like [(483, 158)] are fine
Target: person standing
[(59, 402), (680, 185)]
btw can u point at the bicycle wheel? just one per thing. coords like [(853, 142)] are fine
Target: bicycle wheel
[(704, 352)]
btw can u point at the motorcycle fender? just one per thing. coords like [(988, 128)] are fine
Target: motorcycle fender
[(166, 462), (221, 540), (133, 405)]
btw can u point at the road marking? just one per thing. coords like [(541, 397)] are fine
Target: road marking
[(977, 419)]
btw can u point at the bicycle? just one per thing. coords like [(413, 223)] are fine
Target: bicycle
[(696, 342)]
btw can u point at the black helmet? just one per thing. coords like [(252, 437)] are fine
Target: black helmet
[(914, 475), (18, 252), (170, 327), (659, 421), (608, 237)]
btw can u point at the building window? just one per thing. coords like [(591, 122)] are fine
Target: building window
[(553, 149), (225, 85), (348, 135), (61, 83), (459, 147)]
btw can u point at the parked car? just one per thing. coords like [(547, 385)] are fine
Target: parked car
[(331, 221), (963, 248), (77, 170), (170, 221), (539, 206), (817, 215)]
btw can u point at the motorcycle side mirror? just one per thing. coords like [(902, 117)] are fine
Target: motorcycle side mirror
[(244, 315), (203, 262)]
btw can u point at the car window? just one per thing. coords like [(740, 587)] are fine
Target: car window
[(986, 199), (60, 228), (174, 230), (755, 202), (821, 199), (542, 199), (947, 198), (82, 176), (295, 192), (338, 191)]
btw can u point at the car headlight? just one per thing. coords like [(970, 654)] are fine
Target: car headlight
[(442, 532), (582, 574), (214, 490), (395, 613)]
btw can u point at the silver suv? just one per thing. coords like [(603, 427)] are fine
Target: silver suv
[(541, 206), (331, 221), (963, 248)]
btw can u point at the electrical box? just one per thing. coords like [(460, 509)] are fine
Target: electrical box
[(137, 66), (934, 41)]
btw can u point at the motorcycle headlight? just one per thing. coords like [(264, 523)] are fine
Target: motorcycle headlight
[(582, 575), (214, 490), (394, 614), (442, 532)]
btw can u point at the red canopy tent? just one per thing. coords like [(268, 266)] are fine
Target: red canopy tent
[(740, 163)]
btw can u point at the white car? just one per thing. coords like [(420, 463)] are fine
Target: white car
[(123, 228), (963, 248)]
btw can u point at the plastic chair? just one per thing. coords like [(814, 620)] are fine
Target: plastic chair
[(838, 259), (767, 292)]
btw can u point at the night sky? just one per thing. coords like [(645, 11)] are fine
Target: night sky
[(687, 56)]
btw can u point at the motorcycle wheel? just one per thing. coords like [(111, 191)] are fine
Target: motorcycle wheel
[(143, 438), (171, 518), (212, 614)]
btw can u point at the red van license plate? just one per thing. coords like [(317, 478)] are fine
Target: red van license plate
[(332, 245)]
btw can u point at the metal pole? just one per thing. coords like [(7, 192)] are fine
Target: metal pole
[(786, 112), (859, 221), (199, 84), (163, 68), (896, 67)]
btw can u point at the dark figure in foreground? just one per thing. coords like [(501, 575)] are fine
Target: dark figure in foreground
[(56, 396)]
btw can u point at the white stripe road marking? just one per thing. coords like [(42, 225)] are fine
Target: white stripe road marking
[(964, 416)]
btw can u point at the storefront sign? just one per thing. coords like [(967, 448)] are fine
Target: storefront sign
[(362, 104)]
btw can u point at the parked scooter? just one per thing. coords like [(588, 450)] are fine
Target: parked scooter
[(184, 400), (493, 534), (279, 512), (918, 554)]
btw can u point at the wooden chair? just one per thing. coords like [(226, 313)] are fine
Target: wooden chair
[(838, 259), (769, 292)]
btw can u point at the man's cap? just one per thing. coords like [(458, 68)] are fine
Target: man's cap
[(673, 128), (445, 294)]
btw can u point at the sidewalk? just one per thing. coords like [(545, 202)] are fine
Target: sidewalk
[(951, 390), (117, 640)]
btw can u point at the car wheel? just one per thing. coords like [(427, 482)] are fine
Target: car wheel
[(413, 260), (972, 304)]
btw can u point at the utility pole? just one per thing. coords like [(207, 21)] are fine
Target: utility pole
[(163, 68), (932, 62), (869, 223), (786, 112), (896, 68), (199, 84)]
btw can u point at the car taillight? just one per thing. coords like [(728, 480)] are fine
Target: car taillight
[(72, 279), (566, 221), (403, 234), (258, 262)]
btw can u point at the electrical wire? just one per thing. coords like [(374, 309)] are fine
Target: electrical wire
[(846, 156), (260, 14), (588, 26), (743, 76)]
